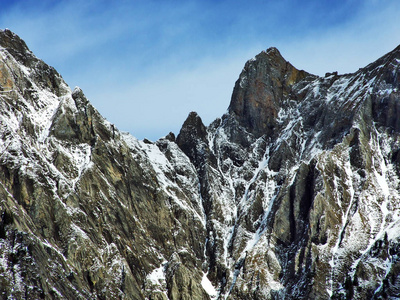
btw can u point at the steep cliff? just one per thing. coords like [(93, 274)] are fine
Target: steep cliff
[(292, 194)]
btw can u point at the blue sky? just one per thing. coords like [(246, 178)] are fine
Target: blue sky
[(146, 64)]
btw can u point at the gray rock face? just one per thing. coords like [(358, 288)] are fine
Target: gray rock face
[(293, 194), (257, 97)]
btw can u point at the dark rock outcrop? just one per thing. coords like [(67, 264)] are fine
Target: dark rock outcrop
[(260, 90)]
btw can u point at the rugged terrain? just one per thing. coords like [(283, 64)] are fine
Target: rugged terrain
[(292, 194)]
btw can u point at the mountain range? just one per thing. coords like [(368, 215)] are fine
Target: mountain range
[(294, 193)]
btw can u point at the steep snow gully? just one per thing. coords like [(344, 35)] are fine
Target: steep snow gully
[(292, 194)]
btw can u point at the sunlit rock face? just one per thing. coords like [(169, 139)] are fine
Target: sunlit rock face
[(292, 194)]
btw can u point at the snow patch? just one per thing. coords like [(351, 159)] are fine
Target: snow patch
[(208, 287)]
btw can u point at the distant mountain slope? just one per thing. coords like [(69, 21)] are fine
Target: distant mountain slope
[(293, 194)]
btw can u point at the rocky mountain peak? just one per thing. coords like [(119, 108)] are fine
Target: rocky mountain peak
[(15, 46), (12, 41), (21, 70), (192, 134), (192, 130), (386, 69), (264, 83)]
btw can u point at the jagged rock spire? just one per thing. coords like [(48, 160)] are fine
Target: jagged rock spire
[(264, 82)]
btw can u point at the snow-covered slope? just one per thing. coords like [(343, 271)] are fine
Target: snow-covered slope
[(292, 194)]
